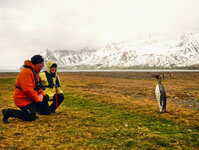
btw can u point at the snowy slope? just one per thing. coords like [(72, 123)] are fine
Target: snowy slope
[(149, 52), (67, 57)]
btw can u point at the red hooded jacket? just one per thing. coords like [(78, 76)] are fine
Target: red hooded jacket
[(26, 81)]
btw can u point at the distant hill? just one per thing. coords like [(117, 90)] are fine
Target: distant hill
[(146, 53)]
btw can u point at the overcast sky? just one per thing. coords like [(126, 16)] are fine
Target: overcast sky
[(28, 27)]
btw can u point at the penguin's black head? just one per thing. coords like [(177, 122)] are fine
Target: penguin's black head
[(158, 77)]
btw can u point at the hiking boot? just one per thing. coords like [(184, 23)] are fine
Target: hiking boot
[(5, 115)]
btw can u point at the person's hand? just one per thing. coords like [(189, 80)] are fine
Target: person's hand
[(41, 98)]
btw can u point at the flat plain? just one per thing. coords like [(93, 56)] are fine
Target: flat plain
[(109, 110)]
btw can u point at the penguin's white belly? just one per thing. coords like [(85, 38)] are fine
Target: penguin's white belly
[(157, 93)]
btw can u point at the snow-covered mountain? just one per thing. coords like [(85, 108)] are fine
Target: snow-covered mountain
[(67, 58), (149, 52)]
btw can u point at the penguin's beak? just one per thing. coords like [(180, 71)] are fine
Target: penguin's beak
[(156, 76), (153, 76)]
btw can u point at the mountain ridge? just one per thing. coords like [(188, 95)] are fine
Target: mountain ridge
[(150, 52)]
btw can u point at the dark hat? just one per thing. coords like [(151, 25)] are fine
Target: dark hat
[(54, 65), (37, 59)]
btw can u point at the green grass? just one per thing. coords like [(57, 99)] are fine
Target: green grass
[(111, 126), (7, 83), (86, 122), (7, 80)]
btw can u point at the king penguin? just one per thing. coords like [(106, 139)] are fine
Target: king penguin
[(160, 95)]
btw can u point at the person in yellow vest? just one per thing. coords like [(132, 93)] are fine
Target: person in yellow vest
[(51, 81)]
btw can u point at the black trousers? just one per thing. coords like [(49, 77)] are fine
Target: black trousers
[(60, 98), (43, 107), (28, 113)]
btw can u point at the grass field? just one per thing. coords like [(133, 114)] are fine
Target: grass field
[(109, 110)]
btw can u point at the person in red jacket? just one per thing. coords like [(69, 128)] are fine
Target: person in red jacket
[(28, 94)]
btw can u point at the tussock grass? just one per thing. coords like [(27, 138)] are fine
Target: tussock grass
[(109, 111)]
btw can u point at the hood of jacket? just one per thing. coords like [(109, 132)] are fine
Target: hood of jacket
[(28, 63), (49, 64)]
